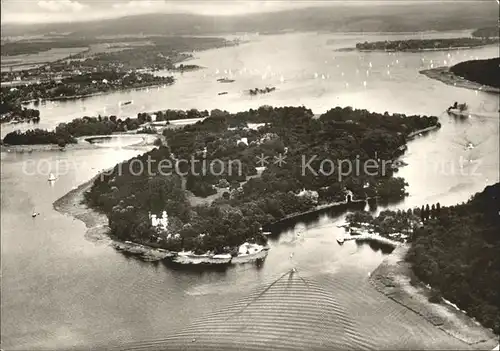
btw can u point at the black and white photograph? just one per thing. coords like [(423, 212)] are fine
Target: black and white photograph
[(247, 175)]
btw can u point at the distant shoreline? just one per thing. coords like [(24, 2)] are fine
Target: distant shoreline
[(424, 49), (82, 144), (392, 278), (84, 96), (444, 75)]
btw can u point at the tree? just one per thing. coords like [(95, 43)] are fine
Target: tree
[(234, 185)]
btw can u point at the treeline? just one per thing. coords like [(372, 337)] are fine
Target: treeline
[(127, 198), (38, 136), (127, 195), (81, 85), (457, 252), (149, 53), (66, 133), (486, 32), (424, 44), (486, 72), (168, 115), (14, 112), (23, 47), (266, 90), (392, 224)]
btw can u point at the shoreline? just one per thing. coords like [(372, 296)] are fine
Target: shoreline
[(425, 49), (444, 75), (319, 208), (84, 96), (98, 231), (81, 144), (421, 131), (97, 224), (392, 278)]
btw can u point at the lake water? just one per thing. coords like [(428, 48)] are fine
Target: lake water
[(61, 290)]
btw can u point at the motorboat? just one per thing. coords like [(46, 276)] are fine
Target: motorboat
[(459, 110), (340, 240), (225, 80)]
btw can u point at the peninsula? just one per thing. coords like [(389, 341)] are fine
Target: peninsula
[(483, 75), (425, 44), (106, 65), (454, 249), (242, 199)]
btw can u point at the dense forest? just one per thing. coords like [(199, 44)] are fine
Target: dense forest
[(487, 32), (247, 200), (486, 72), (168, 115), (457, 252), (455, 249), (81, 85), (66, 133), (424, 44), (38, 136), (10, 112)]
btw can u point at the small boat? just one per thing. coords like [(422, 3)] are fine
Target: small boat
[(126, 103), (340, 240), (34, 214), (223, 93), (225, 80), (458, 109), (52, 177)]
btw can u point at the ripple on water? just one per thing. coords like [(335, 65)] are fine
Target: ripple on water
[(306, 311)]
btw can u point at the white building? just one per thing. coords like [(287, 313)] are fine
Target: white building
[(161, 223), (242, 140), (249, 249), (313, 195)]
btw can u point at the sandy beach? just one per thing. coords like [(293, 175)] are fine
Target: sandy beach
[(392, 278), (443, 74)]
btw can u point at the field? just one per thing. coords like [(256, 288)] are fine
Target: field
[(27, 61)]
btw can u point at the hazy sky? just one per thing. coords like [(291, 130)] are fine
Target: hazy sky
[(35, 11), (40, 11)]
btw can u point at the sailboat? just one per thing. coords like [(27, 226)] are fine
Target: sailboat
[(125, 103), (52, 177)]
